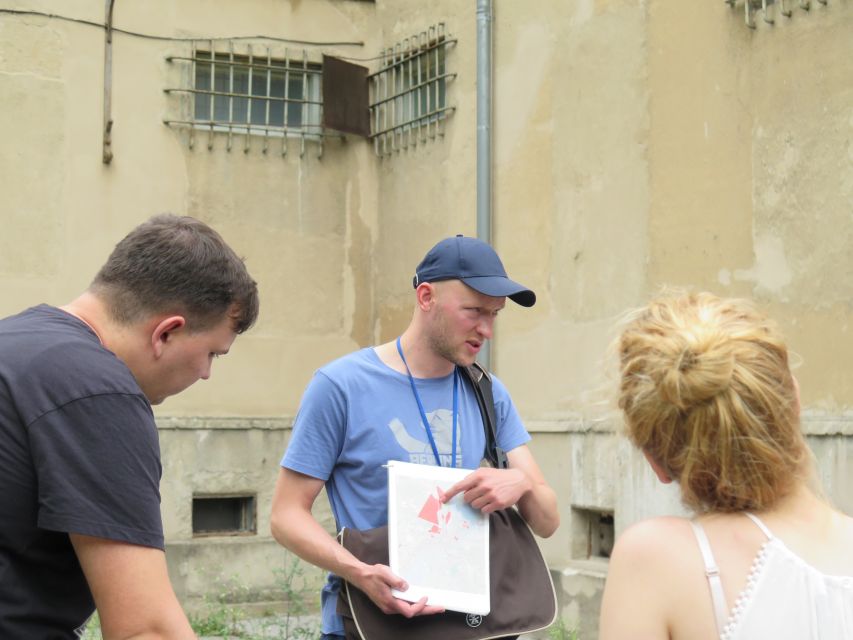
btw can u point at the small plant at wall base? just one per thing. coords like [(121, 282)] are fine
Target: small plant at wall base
[(222, 618), (219, 615), (291, 581), (559, 631)]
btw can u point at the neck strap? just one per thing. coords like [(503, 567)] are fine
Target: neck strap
[(423, 413)]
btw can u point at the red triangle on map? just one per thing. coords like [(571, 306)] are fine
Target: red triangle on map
[(429, 511)]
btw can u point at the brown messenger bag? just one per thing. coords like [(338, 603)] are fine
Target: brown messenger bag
[(521, 591)]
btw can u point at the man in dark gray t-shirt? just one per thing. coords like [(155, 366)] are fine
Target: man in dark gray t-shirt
[(80, 467)]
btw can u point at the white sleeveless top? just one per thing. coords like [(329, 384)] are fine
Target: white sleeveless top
[(785, 598)]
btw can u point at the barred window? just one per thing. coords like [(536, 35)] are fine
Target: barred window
[(409, 92), (240, 91), (258, 95)]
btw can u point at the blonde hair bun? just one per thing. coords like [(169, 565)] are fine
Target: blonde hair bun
[(707, 392)]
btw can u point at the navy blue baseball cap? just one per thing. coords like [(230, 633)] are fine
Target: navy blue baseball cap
[(476, 264)]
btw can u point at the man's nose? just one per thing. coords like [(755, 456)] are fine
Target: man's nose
[(486, 326)]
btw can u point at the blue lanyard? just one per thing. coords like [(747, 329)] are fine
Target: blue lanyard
[(423, 413)]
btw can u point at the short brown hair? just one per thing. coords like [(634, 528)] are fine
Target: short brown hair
[(177, 264), (707, 392)]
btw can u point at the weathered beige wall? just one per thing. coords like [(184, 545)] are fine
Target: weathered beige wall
[(209, 456), (636, 144), (305, 222)]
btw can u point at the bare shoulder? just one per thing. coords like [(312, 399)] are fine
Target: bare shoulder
[(657, 540), (645, 578), (659, 554)]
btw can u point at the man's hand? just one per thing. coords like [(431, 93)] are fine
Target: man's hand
[(294, 526), (522, 484), (377, 581), (489, 489)]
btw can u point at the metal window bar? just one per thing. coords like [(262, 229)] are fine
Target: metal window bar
[(419, 92), (250, 102), (386, 108), (405, 114), (395, 91), (433, 36), (212, 98), (311, 70), (769, 7), (426, 88), (409, 95), (230, 92), (304, 106), (192, 75), (285, 120), (267, 101)]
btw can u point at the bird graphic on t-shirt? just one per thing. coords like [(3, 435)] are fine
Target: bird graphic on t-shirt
[(441, 425)]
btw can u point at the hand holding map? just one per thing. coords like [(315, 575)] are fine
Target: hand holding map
[(440, 548)]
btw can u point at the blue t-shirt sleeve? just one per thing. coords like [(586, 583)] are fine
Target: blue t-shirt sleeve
[(510, 430), (319, 429)]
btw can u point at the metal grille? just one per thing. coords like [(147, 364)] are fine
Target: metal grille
[(408, 103), (769, 9), (252, 93)]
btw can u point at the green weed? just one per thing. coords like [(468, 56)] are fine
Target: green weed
[(559, 631), (222, 615)]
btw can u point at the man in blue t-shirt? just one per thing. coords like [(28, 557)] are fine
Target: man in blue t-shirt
[(404, 400)]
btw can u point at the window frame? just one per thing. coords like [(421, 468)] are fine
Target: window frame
[(248, 66), (246, 503)]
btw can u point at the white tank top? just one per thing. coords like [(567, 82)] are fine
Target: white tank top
[(785, 598)]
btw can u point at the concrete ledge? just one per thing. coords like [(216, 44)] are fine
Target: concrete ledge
[(197, 423), (820, 424), (813, 423), (573, 424), (592, 568)]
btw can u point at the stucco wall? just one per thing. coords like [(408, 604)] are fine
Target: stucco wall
[(636, 144), (304, 220)]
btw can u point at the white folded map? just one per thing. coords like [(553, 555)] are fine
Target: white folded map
[(441, 550)]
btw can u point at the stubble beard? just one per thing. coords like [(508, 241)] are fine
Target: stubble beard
[(441, 344)]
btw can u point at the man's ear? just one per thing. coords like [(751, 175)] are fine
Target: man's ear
[(163, 331), (660, 472), (426, 295)]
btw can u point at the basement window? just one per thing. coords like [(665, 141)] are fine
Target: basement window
[(408, 102), (592, 533), (219, 515)]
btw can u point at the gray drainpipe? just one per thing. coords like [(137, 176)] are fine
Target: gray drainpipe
[(484, 136)]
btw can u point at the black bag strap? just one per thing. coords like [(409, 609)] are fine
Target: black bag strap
[(481, 382)]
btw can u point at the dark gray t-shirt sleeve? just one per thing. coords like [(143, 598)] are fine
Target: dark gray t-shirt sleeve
[(98, 465)]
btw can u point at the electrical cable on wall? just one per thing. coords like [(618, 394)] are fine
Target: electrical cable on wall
[(90, 23)]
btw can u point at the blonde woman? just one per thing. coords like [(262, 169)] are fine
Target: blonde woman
[(709, 398)]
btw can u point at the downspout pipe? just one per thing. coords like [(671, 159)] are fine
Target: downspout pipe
[(484, 136)]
